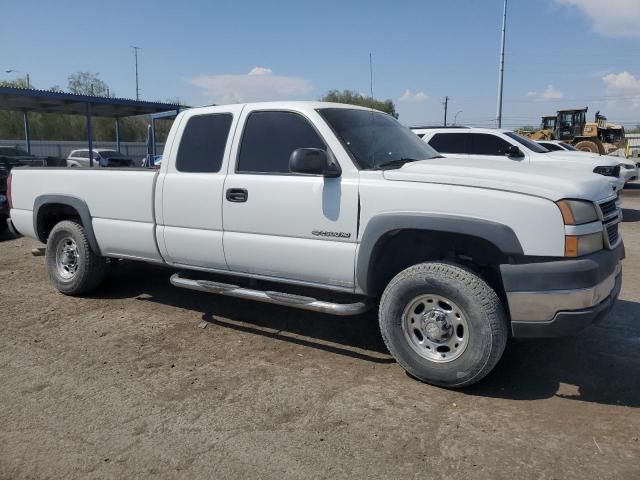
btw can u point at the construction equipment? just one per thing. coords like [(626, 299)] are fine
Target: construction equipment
[(572, 127)]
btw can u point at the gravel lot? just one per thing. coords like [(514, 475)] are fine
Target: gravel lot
[(125, 384)]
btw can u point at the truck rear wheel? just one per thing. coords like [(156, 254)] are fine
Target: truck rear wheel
[(443, 324), (73, 267)]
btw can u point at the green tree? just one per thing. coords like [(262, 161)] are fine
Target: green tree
[(354, 98), (87, 83)]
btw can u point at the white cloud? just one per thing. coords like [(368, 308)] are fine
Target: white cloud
[(625, 85), (549, 94), (615, 18), (260, 71), (409, 96), (259, 84)]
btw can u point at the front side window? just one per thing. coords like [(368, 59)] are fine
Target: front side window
[(487, 144), (450, 142), (375, 139), (269, 139), (203, 142)]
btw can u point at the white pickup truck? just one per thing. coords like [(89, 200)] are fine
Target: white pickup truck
[(337, 208)]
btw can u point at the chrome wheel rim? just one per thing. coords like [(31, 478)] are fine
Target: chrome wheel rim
[(435, 328), (67, 258)]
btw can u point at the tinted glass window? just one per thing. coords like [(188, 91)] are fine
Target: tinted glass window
[(568, 146), (269, 138), (450, 142), (486, 144), (203, 142), (82, 154), (533, 146), (552, 147)]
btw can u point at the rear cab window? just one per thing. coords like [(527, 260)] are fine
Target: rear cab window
[(203, 143)]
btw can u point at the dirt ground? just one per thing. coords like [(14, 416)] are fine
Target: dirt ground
[(126, 384)]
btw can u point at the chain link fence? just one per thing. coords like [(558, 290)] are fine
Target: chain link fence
[(61, 149)]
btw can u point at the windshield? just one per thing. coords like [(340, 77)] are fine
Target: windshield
[(375, 138), (533, 146), (568, 146)]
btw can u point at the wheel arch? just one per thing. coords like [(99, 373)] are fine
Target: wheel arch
[(495, 241), (51, 209)]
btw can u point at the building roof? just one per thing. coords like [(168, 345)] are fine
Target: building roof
[(45, 101)]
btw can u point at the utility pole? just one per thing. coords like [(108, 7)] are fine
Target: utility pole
[(501, 68), (371, 74), (135, 52), (446, 105)]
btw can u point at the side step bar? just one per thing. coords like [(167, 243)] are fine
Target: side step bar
[(278, 298)]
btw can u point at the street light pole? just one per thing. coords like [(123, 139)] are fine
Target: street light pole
[(135, 50), (501, 68), (455, 117), (12, 70)]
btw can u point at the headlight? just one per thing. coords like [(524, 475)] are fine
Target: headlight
[(610, 171), (627, 167), (577, 212), (576, 246)]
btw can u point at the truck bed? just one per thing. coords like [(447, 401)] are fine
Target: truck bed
[(120, 201)]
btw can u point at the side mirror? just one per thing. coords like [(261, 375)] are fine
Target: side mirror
[(514, 152), (312, 161)]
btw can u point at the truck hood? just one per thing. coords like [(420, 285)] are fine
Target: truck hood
[(526, 178)]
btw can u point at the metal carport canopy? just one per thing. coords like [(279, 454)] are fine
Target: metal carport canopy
[(44, 101)]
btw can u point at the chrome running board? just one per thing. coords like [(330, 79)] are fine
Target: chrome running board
[(267, 296)]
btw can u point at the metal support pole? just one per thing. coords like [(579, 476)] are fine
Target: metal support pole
[(118, 133), (501, 68), (90, 134), (27, 137), (153, 139)]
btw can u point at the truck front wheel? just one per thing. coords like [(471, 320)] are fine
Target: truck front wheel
[(73, 267), (443, 324)]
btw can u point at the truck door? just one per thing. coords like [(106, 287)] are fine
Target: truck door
[(283, 225), (189, 210)]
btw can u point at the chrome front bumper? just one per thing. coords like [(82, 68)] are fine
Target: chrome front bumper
[(544, 306), (561, 297)]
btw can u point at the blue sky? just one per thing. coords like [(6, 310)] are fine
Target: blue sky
[(560, 53)]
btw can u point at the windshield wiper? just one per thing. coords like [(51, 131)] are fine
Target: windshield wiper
[(397, 163)]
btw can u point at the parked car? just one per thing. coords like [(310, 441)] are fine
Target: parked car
[(17, 157), (336, 209), (102, 157), (506, 145), (628, 168)]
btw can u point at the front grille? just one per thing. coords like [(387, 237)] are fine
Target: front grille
[(609, 209), (612, 233)]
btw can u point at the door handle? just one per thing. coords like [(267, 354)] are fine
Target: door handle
[(237, 195)]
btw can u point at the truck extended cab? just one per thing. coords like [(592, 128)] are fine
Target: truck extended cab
[(336, 208)]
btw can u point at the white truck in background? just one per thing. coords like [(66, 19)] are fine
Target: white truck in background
[(336, 208)]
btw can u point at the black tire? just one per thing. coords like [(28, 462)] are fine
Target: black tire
[(3, 225), (486, 324), (89, 269)]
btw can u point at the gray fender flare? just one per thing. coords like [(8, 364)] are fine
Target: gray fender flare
[(77, 204), (502, 236)]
